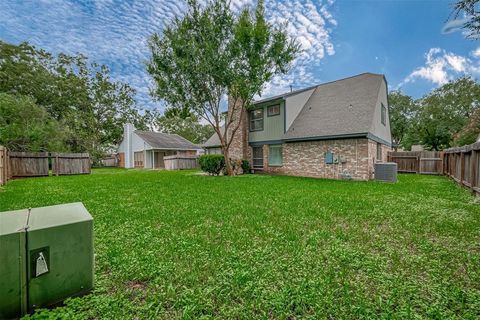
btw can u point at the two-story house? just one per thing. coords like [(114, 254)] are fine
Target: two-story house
[(333, 130)]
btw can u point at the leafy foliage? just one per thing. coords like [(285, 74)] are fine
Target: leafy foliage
[(212, 163), (471, 9), (403, 112), (446, 110), (185, 124), (210, 53), (245, 166), (25, 126), (199, 247), (81, 97), (471, 132), (446, 116)]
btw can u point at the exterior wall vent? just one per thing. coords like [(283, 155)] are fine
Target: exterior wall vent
[(386, 171)]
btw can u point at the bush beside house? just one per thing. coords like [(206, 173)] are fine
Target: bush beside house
[(214, 164)]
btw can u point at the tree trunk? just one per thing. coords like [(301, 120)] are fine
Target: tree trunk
[(228, 165)]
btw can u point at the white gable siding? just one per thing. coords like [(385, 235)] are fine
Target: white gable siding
[(121, 147), (131, 143), (138, 144), (293, 105), (378, 129)]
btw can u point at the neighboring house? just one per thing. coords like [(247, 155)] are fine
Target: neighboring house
[(417, 147), (334, 130), (146, 149)]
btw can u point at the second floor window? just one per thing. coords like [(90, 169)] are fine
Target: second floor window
[(256, 120), (384, 115), (273, 110)]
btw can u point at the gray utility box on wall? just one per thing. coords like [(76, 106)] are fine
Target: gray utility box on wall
[(386, 171), (46, 256)]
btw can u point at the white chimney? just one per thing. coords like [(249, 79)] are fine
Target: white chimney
[(128, 130)]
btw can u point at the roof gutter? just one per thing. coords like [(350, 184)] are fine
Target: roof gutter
[(179, 149), (331, 137)]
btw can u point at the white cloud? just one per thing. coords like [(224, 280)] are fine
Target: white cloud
[(476, 53), (116, 33), (442, 66), (454, 25), (311, 23)]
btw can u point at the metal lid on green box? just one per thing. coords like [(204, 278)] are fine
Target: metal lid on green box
[(13, 221), (47, 217)]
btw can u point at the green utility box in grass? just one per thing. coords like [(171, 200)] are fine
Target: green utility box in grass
[(46, 256)]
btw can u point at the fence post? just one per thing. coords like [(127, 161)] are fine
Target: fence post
[(2, 167), (56, 164), (442, 157), (462, 167), (473, 169), (418, 163)]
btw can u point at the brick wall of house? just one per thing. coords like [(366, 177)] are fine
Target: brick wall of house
[(307, 159), (372, 150), (239, 148)]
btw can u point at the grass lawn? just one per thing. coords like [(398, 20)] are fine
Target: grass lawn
[(181, 245)]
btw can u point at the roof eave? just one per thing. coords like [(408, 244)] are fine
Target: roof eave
[(329, 137), (179, 149)]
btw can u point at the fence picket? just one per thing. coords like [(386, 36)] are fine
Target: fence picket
[(35, 164)]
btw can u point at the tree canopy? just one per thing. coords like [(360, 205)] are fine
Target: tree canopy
[(209, 53), (185, 124), (445, 117), (77, 99), (26, 126), (469, 8)]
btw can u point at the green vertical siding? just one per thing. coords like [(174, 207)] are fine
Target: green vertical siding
[(273, 127)]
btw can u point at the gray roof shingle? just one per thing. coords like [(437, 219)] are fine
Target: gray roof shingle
[(343, 107), (339, 108), (214, 140), (158, 140)]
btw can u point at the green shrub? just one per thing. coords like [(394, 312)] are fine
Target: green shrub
[(245, 166), (212, 163)]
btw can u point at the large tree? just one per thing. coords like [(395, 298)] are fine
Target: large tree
[(445, 111), (403, 112), (210, 53), (25, 126), (471, 9), (470, 132), (185, 124), (79, 95)]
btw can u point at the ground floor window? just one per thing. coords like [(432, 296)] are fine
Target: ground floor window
[(257, 157), (138, 158), (275, 157), (214, 151), (379, 152)]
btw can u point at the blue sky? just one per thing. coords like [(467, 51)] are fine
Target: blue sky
[(401, 39)]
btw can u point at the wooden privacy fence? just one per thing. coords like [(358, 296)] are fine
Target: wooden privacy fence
[(70, 163), (36, 164), (3, 165), (110, 161), (423, 162), (176, 162), (28, 164), (462, 165)]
